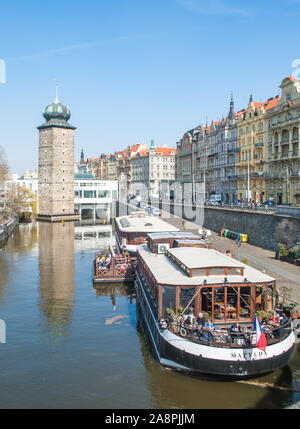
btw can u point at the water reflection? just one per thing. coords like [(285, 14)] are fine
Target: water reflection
[(56, 267), (24, 239), (3, 275), (114, 291)]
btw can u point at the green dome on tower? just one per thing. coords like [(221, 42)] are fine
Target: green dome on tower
[(56, 115), (56, 110)]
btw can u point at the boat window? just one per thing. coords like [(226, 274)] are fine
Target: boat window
[(219, 303), (186, 295), (232, 302), (168, 299), (259, 298), (216, 271), (206, 300), (234, 271), (199, 272), (245, 302)]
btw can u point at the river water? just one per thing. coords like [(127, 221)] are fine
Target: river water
[(69, 345)]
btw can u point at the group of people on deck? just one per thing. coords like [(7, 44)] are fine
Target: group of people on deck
[(273, 325), (203, 328), (103, 262)]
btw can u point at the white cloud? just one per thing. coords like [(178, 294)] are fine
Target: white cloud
[(70, 48), (211, 7)]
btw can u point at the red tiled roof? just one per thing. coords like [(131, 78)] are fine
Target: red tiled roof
[(165, 150)]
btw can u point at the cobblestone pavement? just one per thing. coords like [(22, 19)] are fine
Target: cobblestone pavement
[(285, 273)]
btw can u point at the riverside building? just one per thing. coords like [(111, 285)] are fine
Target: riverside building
[(152, 169), (283, 145), (251, 160), (207, 154)]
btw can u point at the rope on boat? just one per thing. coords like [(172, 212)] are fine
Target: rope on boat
[(266, 385)]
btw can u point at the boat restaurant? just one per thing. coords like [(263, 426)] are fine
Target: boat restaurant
[(207, 281)]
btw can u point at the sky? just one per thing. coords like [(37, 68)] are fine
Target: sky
[(135, 70)]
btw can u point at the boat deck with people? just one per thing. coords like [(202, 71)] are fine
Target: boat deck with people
[(201, 311), (113, 267)]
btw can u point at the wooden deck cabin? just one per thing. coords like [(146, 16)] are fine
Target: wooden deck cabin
[(120, 269)]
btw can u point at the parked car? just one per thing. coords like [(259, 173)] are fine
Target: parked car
[(155, 212), (212, 203), (268, 203)]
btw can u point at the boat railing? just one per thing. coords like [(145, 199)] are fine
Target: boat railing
[(223, 337), (119, 266)]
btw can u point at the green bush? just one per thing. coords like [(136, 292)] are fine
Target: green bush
[(283, 250), (263, 314)]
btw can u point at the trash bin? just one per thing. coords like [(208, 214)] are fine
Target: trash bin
[(277, 255), (244, 238), (226, 233)]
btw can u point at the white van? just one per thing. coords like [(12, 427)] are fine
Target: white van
[(215, 200)]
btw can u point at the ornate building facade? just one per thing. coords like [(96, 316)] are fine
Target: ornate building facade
[(153, 170), (251, 169), (207, 154), (283, 145)]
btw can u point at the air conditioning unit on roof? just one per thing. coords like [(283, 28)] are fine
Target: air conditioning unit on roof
[(163, 247)]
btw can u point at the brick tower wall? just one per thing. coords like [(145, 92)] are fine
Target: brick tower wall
[(56, 172)]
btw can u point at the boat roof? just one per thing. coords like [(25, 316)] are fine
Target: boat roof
[(143, 223), (200, 257), (171, 234), (167, 272), (182, 241)]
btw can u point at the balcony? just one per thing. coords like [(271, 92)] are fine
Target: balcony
[(235, 149), (259, 144), (257, 175), (211, 155)]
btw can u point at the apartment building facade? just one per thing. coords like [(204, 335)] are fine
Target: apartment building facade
[(153, 170), (283, 145), (251, 161)]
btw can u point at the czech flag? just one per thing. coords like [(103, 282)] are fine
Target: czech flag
[(261, 341)]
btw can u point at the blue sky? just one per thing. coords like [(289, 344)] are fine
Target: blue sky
[(133, 70)]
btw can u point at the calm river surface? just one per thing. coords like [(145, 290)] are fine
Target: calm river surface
[(69, 345)]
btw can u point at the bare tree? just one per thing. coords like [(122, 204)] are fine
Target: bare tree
[(3, 166), (18, 199), (3, 174)]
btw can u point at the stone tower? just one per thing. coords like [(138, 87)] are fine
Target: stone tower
[(56, 165)]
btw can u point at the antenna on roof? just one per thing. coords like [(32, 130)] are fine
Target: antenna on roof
[(56, 93)]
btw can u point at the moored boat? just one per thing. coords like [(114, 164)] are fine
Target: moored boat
[(113, 267), (132, 230), (197, 309)]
